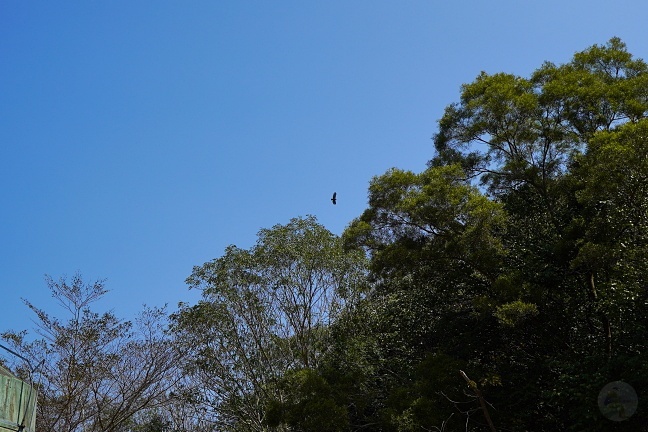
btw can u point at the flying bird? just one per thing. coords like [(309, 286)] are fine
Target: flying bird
[(334, 199)]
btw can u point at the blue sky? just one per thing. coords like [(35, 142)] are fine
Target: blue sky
[(140, 138)]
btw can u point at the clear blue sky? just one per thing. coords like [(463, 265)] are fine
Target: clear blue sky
[(140, 138)]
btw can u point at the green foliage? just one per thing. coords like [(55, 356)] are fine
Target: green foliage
[(265, 312), (513, 313), (613, 178), (538, 287), (511, 130), (435, 248), (153, 423), (309, 405), (435, 213)]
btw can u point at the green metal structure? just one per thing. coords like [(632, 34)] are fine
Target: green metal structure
[(17, 403)]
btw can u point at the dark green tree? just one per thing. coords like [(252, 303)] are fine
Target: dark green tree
[(561, 150), (308, 404), (435, 253), (518, 256)]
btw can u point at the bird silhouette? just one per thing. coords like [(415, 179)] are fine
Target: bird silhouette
[(334, 199)]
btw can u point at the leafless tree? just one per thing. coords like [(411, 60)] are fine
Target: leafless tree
[(96, 371)]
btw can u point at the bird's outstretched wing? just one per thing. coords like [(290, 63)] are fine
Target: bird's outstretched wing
[(334, 199)]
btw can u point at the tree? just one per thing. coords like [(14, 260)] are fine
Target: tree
[(95, 371), (435, 250), (265, 311), (510, 130), (308, 404), (518, 256), (563, 151)]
